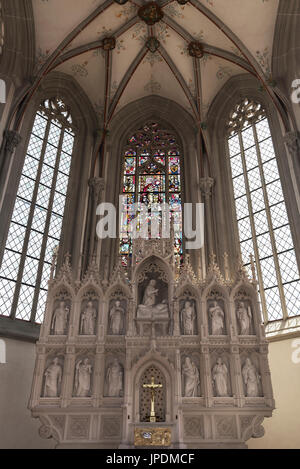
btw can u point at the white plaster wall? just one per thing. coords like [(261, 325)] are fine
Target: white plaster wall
[(18, 430), (283, 429)]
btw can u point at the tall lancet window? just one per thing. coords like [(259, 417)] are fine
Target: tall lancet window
[(262, 217), (152, 177), (36, 222)]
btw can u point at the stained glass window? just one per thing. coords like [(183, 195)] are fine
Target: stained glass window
[(152, 176), (262, 217), (36, 222)]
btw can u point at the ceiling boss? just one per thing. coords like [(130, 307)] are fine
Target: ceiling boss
[(151, 13)]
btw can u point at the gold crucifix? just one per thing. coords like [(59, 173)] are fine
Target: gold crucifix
[(153, 387)]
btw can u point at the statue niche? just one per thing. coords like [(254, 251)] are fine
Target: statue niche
[(221, 380), (89, 316), (114, 381), (60, 317), (244, 317), (216, 314), (83, 377), (188, 317), (154, 303), (153, 314), (190, 377), (251, 376), (116, 316), (145, 395), (53, 375)]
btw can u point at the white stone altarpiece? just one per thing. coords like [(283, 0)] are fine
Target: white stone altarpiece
[(200, 340)]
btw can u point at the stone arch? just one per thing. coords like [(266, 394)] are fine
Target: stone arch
[(216, 294), (234, 91), (215, 284), (143, 265), (189, 293), (243, 286), (59, 293), (118, 286), (154, 268), (160, 394), (165, 111), (172, 117), (89, 293), (188, 286), (153, 359), (60, 286), (243, 292), (89, 286), (85, 119), (117, 293)]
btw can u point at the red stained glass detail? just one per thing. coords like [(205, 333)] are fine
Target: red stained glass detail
[(152, 183)]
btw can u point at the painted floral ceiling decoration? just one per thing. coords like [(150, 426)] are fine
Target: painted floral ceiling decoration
[(122, 50)]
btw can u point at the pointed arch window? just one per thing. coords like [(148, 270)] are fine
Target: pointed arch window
[(152, 175), (262, 218), (36, 223)]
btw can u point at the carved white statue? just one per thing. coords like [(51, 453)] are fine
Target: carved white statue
[(117, 318), (244, 316), (251, 379), (115, 379), (191, 378), (53, 378), (188, 318), (220, 377), (88, 320), (149, 309), (83, 378), (60, 319), (217, 319), (150, 294)]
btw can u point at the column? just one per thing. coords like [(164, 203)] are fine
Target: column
[(237, 385), (10, 142), (130, 324), (206, 379), (97, 186), (37, 385), (68, 377), (206, 186), (266, 375), (176, 331), (179, 438), (129, 392), (98, 376)]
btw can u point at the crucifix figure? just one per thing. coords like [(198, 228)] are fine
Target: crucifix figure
[(153, 387)]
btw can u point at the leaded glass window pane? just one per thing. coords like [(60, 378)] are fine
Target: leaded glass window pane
[(262, 217), (36, 222)]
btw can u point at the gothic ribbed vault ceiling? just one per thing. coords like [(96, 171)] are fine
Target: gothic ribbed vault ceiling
[(236, 36)]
